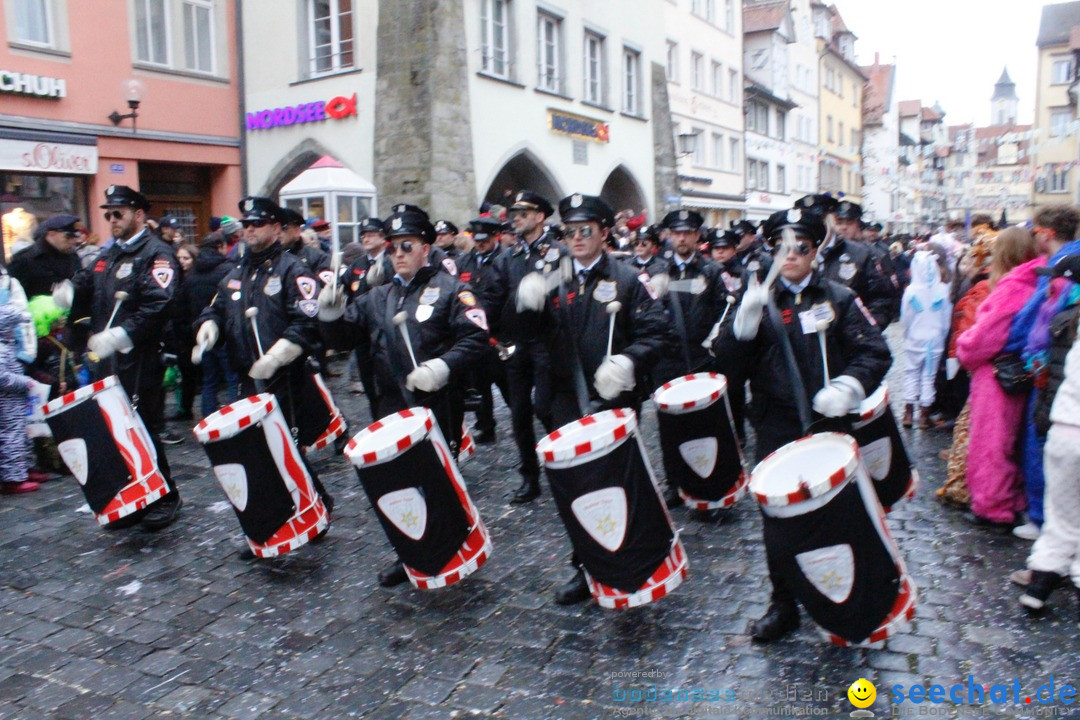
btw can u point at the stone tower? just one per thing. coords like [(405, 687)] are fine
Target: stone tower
[(1003, 105), (423, 137)]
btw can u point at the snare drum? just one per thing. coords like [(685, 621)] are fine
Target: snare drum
[(702, 455), (468, 445), (882, 449), (825, 534), (608, 500), (258, 465), (420, 498), (318, 420), (106, 447)]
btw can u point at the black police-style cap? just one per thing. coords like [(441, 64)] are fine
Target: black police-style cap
[(1067, 267), (371, 224), (484, 227), (874, 226), (63, 221), (415, 224), (806, 223), (528, 200), (169, 221), (847, 210), (583, 208), (650, 233), (406, 208), (744, 227), (820, 203), (724, 238), (123, 196), (254, 207), (444, 227), (291, 217), (683, 220)]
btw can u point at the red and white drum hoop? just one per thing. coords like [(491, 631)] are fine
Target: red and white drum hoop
[(337, 425)]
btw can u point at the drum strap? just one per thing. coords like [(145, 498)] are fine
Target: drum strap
[(680, 326), (802, 404)]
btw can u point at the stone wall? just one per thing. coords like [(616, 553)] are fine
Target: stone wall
[(667, 183)]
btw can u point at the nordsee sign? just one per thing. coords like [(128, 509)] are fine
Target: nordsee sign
[(333, 109)]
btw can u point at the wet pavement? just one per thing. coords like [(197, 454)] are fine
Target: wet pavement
[(130, 624)]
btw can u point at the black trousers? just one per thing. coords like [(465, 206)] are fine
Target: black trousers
[(526, 371), (490, 371)]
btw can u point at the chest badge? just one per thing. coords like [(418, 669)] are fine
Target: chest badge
[(123, 271), (605, 291), (273, 286), (429, 296), (423, 312), (847, 270)]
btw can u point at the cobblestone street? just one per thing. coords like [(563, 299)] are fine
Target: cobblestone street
[(130, 625)]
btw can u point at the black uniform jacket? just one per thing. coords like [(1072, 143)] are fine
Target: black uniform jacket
[(642, 331), (854, 266), (145, 268), (40, 266), (479, 272), (701, 305), (855, 348), (285, 292), (511, 266), (650, 267), (444, 318)]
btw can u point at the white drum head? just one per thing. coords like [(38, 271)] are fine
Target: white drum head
[(387, 438), (874, 405), (690, 392), (233, 418), (576, 442), (805, 469), (73, 398)]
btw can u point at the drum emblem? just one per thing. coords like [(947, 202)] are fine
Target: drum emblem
[(829, 569), (73, 452), (407, 510), (878, 457), (603, 515), (233, 480), (700, 455)]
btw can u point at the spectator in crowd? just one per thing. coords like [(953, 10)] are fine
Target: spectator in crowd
[(211, 266), (180, 337), (925, 312)]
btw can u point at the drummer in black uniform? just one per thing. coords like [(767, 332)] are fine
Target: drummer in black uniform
[(446, 233), (848, 262), (477, 267), (314, 259), (143, 266), (773, 342), (584, 379), (284, 292), (536, 250), (646, 257), (52, 258), (437, 257), (447, 327), (750, 251)]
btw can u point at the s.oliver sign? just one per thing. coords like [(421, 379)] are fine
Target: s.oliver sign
[(48, 157)]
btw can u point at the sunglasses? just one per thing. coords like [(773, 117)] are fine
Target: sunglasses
[(254, 223), (404, 246), (72, 234), (114, 214), (585, 231), (801, 248), (635, 243)]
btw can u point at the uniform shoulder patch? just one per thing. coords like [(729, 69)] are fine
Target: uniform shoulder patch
[(467, 298), (450, 265), (644, 278), (162, 275), (477, 317), (233, 284), (306, 286)]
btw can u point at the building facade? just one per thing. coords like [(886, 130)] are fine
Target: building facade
[(703, 66), (840, 100), (1056, 137), (70, 73), (885, 191)]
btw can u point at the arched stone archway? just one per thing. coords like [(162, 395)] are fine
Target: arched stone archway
[(296, 161), (622, 192), (522, 172)]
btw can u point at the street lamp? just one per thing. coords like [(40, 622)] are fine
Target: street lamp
[(688, 143), (132, 90)]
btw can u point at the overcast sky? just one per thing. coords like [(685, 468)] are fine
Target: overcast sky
[(950, 51)]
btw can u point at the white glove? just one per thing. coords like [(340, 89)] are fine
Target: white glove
[(748, 317), (374, 276), (429, 376), (839, 397), (207, 336), (106, 342), (63, 294), (331, 304), (278, 356), (532, 292), (659, 284), (614, 376)]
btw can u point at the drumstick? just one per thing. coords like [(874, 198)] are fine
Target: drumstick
[(250, 313), (120, 296), (821, 326), (399, 320), (612, 309), (335, 269)]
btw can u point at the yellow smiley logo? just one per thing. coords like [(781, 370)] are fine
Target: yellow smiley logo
[(862, 693)]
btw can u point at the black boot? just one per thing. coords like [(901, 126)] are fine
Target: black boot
[(528, 491), (393, 575), (782, 618), (1038, 590), (574, 591), (163, 513), (672, 498), (127, 521), (484, 437)]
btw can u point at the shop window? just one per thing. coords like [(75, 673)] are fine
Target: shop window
[(26, 200), (330, 36)]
